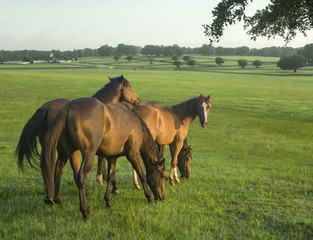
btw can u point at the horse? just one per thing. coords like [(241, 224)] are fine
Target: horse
[(169, 125), (110, 130), (184, 159), (118, 89)]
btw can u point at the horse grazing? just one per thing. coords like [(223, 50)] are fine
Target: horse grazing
[(184, 159), (169, 125), (110, 130), (118, 89)]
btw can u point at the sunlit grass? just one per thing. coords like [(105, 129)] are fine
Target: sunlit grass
[(251, 170)]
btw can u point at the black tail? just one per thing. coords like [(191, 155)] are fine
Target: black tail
[(27, 145), (49, 148)]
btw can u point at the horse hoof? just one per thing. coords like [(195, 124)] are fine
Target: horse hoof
[(177, 180), (48, 201), (172, 182), (137, 186), (108, 205), (115, 191), (85, 216)]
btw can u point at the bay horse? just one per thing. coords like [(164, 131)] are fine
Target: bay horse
[(184, 159), (169, 125), (110, 130), (118, 89)]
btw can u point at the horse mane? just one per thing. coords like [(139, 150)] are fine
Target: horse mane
[(185, 107), (110, 90)]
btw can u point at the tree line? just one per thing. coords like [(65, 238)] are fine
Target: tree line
[(155, 50)]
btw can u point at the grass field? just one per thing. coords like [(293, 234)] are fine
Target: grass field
[(251, 170)]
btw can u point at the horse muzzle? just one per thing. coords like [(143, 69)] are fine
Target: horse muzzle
[(204, 124)]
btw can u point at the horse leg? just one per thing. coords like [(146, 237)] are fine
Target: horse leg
[(110, 179), (101, 171), (161, 150), (75, 164), (87, 164), (61, 161), (175, 149), (135, 180), (135, 160)]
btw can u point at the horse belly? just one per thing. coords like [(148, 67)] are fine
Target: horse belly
[(112, 146)]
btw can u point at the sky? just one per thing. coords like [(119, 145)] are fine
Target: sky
[(78, 24)]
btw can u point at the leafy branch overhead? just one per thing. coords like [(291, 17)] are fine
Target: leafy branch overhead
[(283, 18)]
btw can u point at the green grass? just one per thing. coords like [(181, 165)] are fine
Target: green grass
[(251, 170)]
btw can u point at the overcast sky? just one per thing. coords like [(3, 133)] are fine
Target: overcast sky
[(78, 24)]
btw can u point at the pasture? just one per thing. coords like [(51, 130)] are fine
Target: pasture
[(251, 173)]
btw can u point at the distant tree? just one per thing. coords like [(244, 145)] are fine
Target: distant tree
[(186, 58), (174, 58), (242, 51), (151, 59), (117, 57), (242, 63), (257, 63), (207, 50), (191, 62), (294, 62), (105, 50), (278, 18), (219, 60), (129, 58), (177, 63), (307, 52), (27, 59)]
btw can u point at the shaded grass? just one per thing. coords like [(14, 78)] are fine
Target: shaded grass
[(251, 169)]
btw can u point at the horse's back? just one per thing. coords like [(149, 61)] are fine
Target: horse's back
[(85, 122)]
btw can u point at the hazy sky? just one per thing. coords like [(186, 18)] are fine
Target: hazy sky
[(78, 24)]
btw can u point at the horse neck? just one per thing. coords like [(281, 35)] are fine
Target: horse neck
[(108, 94), (187, 110), (148, 150)]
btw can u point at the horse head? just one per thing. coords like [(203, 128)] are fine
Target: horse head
[(156, 180), (127, 93), (184, 161), (203, 109)]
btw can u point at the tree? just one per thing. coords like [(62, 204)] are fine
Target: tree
[(278, 18), (177, 63), (191, 62), (27, 59), (174, 58), (105, 50), (207, 50), (151, 59), (129, 58), (117, 57), (307, 52), (257, 63), (219, 61), (242, 63), (186, 58), (292, 62)]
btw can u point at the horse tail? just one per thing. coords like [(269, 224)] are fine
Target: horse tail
[(49, 147), (27, 145)]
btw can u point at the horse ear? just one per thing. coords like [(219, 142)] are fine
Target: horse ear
[(189, 147), (123, 80), (208, 98), (110, 78)]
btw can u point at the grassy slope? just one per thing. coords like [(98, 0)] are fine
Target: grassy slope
[(251, 169)]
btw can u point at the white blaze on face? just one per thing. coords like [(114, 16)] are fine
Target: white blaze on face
[(205, 105)]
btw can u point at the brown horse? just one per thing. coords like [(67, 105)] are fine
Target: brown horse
[(184, 159), (169, 125), (111, 130), (118, 89)]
